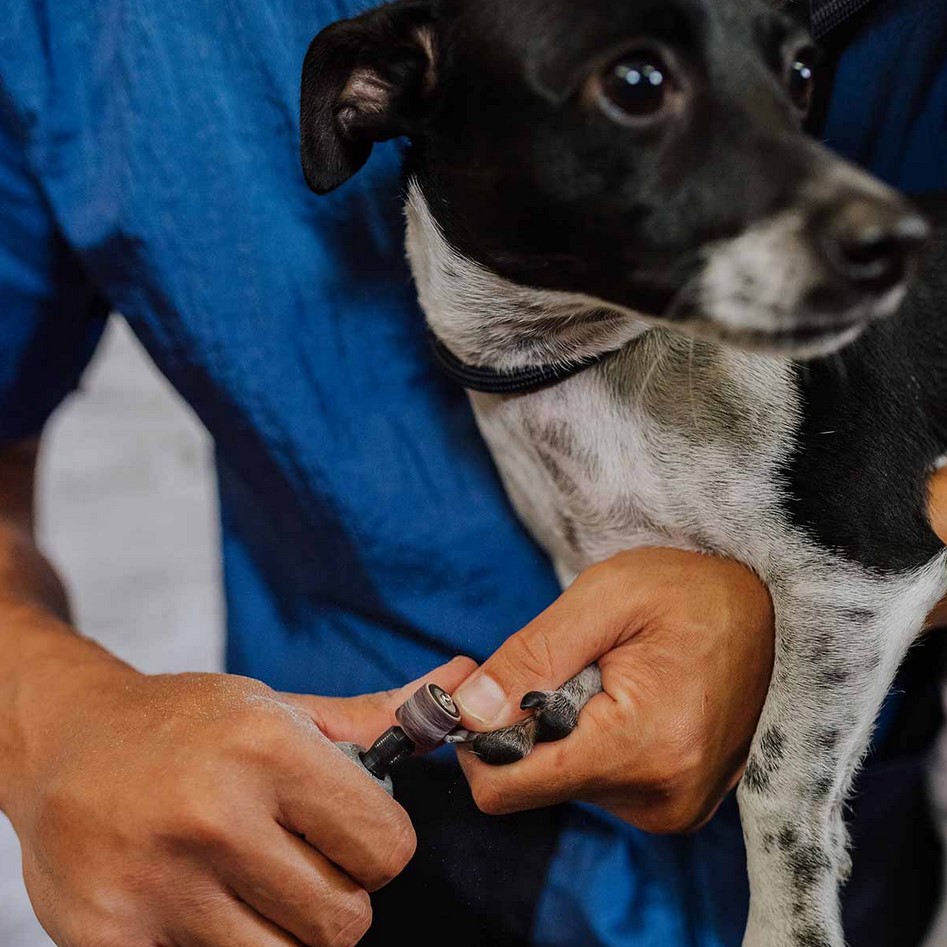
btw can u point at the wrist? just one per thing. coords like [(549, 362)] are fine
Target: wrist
[(47, 674)]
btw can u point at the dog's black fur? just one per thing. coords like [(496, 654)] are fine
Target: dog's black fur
[(874, 422)]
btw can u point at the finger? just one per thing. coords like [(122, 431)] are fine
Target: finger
[(362, 719), (228, 922), (576, 630), (337, 808), (299, 890), (242, 926)]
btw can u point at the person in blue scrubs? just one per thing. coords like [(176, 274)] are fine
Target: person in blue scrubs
[(148, 164)]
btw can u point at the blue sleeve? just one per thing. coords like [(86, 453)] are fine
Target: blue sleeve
[(51, 319)]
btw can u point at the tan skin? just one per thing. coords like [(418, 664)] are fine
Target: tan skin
[(209, 811)]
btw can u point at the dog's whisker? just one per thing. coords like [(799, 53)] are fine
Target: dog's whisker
[(690, 383), (649, 374)]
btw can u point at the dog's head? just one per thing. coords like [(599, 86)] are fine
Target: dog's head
[(645, 153)]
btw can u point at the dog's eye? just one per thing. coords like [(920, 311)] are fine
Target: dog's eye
[(802, 80), (637, 85)]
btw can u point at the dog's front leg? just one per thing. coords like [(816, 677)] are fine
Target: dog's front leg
[(835, 662)]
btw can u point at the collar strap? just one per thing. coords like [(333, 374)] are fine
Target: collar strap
[(516, 381)]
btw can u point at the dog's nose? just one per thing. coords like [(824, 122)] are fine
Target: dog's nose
[(872, 244)]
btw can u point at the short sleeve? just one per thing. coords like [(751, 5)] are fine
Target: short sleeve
[(51, 319)]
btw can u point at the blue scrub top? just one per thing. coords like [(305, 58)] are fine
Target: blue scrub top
[(148, 164)]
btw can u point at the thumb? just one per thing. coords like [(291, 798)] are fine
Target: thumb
[(574, 632), (363, 719)]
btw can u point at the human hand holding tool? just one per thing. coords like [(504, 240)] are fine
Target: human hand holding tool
[(203, 810)]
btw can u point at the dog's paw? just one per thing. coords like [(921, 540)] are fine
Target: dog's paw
[(502, 747), (555, 715)]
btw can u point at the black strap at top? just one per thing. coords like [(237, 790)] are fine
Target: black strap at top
[(514, 382)]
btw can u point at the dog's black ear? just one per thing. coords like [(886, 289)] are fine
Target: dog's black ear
[(365, 80)]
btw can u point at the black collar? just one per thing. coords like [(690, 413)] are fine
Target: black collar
[(514, 382)]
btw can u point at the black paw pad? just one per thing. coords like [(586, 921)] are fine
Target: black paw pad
[(556, 721), (502, 747)]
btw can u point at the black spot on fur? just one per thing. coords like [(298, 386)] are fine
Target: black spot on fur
[(763, 764), (773, 746), (808, 864), (569, 533), (554, 434), (880, 407), (834, 675), (857, 616), (828, 739), (812, 936), (822, 787), (821, 648), (756, 778), (788, 838), (553, 466)]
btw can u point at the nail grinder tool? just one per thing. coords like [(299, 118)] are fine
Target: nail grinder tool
[(425, 720)]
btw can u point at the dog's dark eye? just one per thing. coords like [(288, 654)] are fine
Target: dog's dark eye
[(637, 85), (802, 81)]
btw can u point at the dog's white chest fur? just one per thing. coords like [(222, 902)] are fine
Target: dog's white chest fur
[(671, 442)]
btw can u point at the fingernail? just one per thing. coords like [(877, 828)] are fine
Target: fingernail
[(482, 698)]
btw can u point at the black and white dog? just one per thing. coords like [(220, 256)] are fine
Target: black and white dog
[(624, 186)]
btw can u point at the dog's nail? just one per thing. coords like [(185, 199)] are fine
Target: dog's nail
[(460, 735), (533, 700), (480, 698)]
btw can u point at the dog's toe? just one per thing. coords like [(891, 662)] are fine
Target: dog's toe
[(502, 747), (534, 700), (556, 716)]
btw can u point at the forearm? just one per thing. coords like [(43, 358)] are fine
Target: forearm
[(41, 655), (26, 576), (43, 664)]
